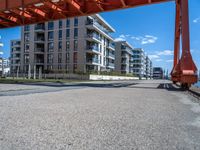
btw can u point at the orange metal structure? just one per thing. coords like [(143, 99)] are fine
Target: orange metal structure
[(22, 12)]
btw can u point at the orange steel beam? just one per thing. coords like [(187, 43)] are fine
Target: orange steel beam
[(59, 9)]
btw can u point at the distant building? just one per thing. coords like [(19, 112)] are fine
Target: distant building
[(148, 69), (158, 73), (4, 66), (123, 57), (139, 62)]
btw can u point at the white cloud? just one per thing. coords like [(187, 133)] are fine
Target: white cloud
[(197, 20), (122, 37), (165, 53), (147, 39), (159, 60), (153, 56), (169, 60)]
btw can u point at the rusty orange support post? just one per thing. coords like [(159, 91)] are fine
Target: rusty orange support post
[(176, 43), (185, 71)]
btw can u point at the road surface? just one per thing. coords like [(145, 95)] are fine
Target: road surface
[(138, 115)]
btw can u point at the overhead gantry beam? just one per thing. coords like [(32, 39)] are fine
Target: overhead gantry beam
[(22, 12)]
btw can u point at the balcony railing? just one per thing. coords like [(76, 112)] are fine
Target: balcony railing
[(111, 46), (39, 39), (39, 50), (95, 23), (93, 48), (93, 35), (39, 61), (111, 65), (39, 27), (93, 60), (110, 55)]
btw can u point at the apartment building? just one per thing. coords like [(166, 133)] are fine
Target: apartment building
[(139, 63), (148, 65), (158, 73), (15, 56), (80, 44), (123, 57)]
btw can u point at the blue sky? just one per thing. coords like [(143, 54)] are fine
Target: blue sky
[(149, 27)]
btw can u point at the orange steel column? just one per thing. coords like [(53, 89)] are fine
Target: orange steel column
[(185, 71), (174, 74)]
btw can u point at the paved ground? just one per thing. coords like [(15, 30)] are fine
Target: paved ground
[(150, 115)]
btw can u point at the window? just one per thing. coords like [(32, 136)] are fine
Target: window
[(75, 33), (68, 33), (67, 23), (76, 21), (50, 58), (60, 46), (50, 25), (59, 67), (50, 35), (60, 58), (60, 35), (75, 67), (67, 57), (26, 37), (60, 23), (27, 48), (75, 45), (75, 57), (67, 46), (27, 28), (50, 47), (26, 58)]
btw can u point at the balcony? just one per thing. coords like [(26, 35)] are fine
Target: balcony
[(111, 46), (93, 37), (97, 25), (111, 65), (125, 62), (93, 49), (40, 40), (93, 61), (39, 61), (110, 55), (39, 50), (40, 27)]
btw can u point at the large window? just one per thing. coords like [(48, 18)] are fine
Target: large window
[(60, 46), (67, 46), (50, 35), (60, 23), (27, 28), (26, 37), (50, 25), (68, 23), (27, 48), (26, 58), (67, 57), (60, 58), (68, 33), (60, 35), (76, 21), (50, 47), (50, 58), (75, 33), (75, 45)]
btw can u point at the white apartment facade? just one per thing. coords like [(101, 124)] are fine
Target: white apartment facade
[(81, 44)]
